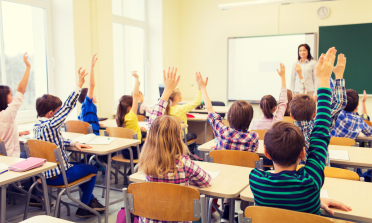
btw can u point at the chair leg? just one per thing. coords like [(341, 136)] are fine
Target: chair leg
[(62, 202), (209, 210), (57, 210), (84, 206), (116, 172), (103, 189), (80, 193), (28, 200)]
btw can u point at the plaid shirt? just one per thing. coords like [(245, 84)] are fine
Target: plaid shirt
[(339, 101), (349, 125), (230, 138), (188, 172), (49, 129)]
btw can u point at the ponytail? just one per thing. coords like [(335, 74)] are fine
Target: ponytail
[(124, 103), (176, 92), (267, 103)]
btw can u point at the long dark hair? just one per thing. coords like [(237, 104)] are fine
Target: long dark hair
[(289, 97), (309, 57), (267, 104), (4, 91), (125, 102)]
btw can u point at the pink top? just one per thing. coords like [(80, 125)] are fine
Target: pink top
[(264, 123), (8, 126)]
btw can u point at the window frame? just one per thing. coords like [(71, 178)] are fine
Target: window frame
[(30, 115)]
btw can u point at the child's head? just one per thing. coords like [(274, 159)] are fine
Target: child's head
[(289, 97), (352, 100), (125, 104), (6, 97), (47, 105), (268, 106), (240, 115), (284, 144), (176, 96), (303, 108), (163, 146), (83, 95)]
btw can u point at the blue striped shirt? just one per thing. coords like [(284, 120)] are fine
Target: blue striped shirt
[(89, 114), (49, 129)]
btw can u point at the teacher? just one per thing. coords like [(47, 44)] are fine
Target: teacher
[(304, 69)]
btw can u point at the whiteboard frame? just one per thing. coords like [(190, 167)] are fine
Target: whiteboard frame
[(227, 76)]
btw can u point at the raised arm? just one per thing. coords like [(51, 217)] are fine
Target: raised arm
[(364, 109), (23, 84), (283, 101), (92, 82), (299, 72), (135, 93), (203, 86)]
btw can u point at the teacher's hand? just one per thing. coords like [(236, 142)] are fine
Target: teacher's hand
[(299, 71)]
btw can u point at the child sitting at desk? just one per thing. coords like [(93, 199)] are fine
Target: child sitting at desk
[(142, 108)]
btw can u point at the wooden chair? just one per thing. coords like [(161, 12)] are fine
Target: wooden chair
[(236, 158), (288, 119), (2, 148), (261, 133), (50, 152), (78, 127), (338, 173), (261, 214), (342, 141), (368, 122), (165, 202), (141, 118)]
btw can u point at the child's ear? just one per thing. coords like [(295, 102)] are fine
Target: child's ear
[(314, 115), (302, 154), (266, 154), (50, 114), (292, 116)]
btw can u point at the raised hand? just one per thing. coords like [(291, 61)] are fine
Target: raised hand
[(339, 69), (299, 71), (282, 70), (135, 75), (25, 59), (200, 81), (325, 66), (82, 76), (94, 59), (170, 79), (364, 96)]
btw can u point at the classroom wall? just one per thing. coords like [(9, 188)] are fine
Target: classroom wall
[(203, 30)]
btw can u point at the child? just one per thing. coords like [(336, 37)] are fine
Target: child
[(8, 111), (142, 108), (289, 99), (164, 156), (303, 108), (268, 106), (51, 117), (88, 108), (284, 144), (126, 115)]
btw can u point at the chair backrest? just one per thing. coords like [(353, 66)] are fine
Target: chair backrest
[(2, 148), (218, 103), (234, 157), (261, 214), (164, 201), (288, 119), (342, 141), (141, 118), (77, 126), (120, 132), (41, 149), (261, 133), (338, 173), (368, 122)]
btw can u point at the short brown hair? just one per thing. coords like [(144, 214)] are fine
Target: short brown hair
[(302, 107), (47, 103), (284, 143), (83, 95), (240, 115), (352, 100)]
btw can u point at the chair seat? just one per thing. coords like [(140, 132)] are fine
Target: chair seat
[(191, 141), (75, 182), (123, 160)]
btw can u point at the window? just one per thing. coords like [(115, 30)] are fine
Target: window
[(129, 42), (24, 30)]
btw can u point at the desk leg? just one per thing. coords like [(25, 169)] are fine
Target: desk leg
[(131, 160), (205, 131), (232, 210), (3, 204), (108, 184), (46, 195)]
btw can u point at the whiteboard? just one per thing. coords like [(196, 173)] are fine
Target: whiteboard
[(253, 61)]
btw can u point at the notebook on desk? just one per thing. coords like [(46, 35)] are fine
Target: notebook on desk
[(27, 164), (92, 139), (3, 168)]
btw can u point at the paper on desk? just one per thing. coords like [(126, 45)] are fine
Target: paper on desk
[(213, 174), (92, 139), (339, 155), (324, 194), (3, 168)]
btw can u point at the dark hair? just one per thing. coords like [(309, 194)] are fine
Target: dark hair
[(309, 57), (284, 143), (4, 91), (125, 102), (47, 103), (352, 100), (289, 97), (240, 115), (267, 104), (83, 95), (302, 107)]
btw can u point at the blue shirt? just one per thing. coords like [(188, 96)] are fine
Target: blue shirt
[(89, 114), (349, 125)]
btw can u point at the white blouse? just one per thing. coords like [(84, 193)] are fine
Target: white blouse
[(308, 73)]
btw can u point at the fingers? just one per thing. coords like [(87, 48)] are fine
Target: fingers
[(79, 71), (164, 77), (178, 80), (278, 71), (327, 209), (364, 93), (77, 145), (206, 82)]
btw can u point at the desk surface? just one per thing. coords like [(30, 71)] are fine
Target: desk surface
[(112, 123), (228, 184), (218, 109), (116, 145), (11, 176), (41, 218), (198, 118), (359, 156), (356, 194)]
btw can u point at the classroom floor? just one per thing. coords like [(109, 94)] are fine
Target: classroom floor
[(15, 212)]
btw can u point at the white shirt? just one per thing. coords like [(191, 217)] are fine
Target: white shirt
[(308, 73)]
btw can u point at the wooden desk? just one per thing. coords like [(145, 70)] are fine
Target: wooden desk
[(200, 127), (45, 219), (356, 194), (365, 139), (218, 109), (360, 157), (117, 145), (11, 177)]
